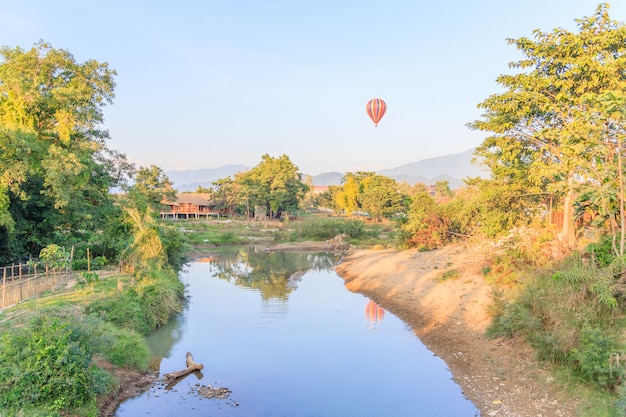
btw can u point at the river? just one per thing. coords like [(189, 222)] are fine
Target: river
[(279, 335)]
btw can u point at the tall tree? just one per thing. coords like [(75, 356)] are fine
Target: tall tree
[(55, 170), (224, 193), (151, 187), (351, 188), (380, 197), (328, 199), (442, 189), (274, 184), (542, 136), (347, 198), (604, 191)]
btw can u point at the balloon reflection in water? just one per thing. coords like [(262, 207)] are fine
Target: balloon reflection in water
[(373, 312)]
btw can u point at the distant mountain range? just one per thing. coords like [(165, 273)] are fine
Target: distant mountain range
[(190, 180), (452, 168)]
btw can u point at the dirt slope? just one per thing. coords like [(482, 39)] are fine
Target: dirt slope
[(500, 376)]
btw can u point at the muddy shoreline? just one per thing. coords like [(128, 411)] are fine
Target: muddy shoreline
[(500, 376)]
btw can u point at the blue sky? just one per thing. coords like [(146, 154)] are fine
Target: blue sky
[(203, 84)]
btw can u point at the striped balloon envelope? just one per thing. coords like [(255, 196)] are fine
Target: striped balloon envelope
[(376, 109)]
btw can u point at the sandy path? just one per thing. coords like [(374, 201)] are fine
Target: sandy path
[(501, 376)]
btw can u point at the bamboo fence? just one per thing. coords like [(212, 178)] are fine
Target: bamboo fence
[(23, 281)]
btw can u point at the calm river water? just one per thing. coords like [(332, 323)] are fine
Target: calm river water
[(283, 336)]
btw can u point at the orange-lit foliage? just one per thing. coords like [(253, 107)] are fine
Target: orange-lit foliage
[(433, 234)]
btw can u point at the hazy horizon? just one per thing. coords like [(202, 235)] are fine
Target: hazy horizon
[(214, 83)]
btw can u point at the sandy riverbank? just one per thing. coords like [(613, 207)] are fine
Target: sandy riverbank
[(501, 376)]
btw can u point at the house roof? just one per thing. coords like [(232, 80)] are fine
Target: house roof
[(197, 199)]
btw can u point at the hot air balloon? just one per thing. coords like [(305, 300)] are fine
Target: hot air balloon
[(376, 108)]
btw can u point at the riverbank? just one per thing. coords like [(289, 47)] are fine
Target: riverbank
[(448, 312)]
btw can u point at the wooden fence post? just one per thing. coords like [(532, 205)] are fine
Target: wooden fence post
[(4, 284)]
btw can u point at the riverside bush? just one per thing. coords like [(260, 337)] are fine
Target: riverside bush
[(176, 244), (44, 365), (569, 317), (601, 252), (121, 347), (327, 228), (95, 264), (122, 310), (143, 307), (589, 359)]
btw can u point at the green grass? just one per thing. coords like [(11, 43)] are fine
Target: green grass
[(307, 227), (450, 274), (227, 232), (355, 231), (47, 345)]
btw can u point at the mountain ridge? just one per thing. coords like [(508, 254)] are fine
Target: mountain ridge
[(453, 168)]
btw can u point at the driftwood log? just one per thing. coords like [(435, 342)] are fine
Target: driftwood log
[(191, 367)]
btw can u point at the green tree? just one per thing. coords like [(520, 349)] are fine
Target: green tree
[(494, 207), (328, 199), (225, 194), (151, 187), (55, 170), (274, 184), (380, 198), (411, 190), (543, 138), (351, 187), (442, 189), (347, 198), (421, 226), (154, 246), (54, 257)]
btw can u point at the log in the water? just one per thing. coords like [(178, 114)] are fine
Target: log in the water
[(191, 367)]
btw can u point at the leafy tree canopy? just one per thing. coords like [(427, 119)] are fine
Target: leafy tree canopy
[(544, 137), (55, 170), (274, 183), (380, 197)]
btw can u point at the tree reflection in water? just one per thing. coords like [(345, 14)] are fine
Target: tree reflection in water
[(274, 274)]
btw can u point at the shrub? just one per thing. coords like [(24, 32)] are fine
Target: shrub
[(144, 307), (352, 228), (450, 274), (176, 244), (122, 347), (591, 358), (433, 233), (568, 316), (121, 309), (44, 365), (601, 252), (89, 277), (95, 264), (319, 229), (129, 350)]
